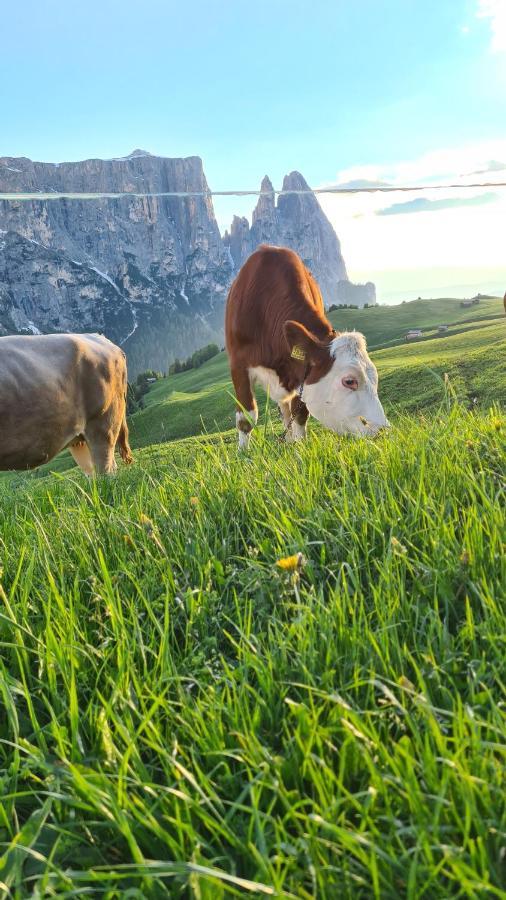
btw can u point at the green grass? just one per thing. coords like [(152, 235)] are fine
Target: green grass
[(182, 718)]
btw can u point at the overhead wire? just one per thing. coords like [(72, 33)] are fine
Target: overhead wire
[(14, 196)]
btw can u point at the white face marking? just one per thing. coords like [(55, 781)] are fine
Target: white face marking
[(338, 407), (270, 383)]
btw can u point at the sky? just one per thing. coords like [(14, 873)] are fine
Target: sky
[(376, 90)]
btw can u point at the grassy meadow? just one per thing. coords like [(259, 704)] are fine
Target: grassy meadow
[(472, 354), (277, 674), (386, 325)]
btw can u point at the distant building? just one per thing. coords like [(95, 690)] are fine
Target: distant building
[(413, 333), (468, 303), (442, 328)]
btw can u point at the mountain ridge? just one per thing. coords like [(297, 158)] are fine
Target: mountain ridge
[(151, 272)]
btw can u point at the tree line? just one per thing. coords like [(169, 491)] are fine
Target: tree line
[(137, 389), (194, 361)]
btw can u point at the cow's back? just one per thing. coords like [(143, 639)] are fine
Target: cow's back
[(50, 386), (272, 287)]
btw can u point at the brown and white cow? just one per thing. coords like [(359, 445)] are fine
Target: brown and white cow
[(277, 334), (62, 390)]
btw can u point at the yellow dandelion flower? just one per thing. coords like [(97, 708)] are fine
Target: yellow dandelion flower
[(194, 501), (397, 547), (147, 523), (150, 529), (291, 563)]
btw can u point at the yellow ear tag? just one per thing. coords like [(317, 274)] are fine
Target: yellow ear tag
[(298, 353)]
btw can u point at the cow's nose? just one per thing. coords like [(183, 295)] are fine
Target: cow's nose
[(377, 428)]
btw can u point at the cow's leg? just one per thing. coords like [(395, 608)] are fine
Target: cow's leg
[(122, 443), (101, 440), (82, 456), (246, 415), (284, 408), (300, 412), (292, 406)]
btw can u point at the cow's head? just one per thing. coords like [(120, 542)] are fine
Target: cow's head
[(341, 388)]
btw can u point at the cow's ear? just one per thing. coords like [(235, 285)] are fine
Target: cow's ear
[(303, 345)]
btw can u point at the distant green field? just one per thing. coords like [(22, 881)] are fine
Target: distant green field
[(384, 324), (411, 376), (472, 354)]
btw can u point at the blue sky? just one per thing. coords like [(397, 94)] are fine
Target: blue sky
[(325, 87)]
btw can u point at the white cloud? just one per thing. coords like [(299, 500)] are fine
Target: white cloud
[(442, 165), (398, 248), (495, 10)]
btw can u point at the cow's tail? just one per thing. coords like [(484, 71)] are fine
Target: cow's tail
[(123, 445), (122, 442)]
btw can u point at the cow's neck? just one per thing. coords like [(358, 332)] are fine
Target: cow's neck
[(318, 325), (294, 373)]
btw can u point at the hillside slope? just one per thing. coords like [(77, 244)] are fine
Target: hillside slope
[(384, 324)]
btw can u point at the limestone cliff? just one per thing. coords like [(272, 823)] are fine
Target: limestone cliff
[(151, 271)]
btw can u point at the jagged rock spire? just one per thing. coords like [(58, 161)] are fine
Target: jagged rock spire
[(266, 202), (238, 241), (296, 221), (299, 204), (296, 182)]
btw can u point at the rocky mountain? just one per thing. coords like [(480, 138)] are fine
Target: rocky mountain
[(298, 222), (150, 272), (355, 294)]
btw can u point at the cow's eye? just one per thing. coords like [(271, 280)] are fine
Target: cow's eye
[(349, 382)]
